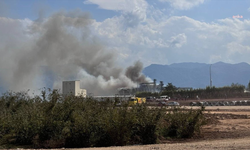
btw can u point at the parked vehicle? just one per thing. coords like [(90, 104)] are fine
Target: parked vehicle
[(222, 103), (232, 103), (205, 104), (164, 98), (173, 104), (136, 100), (210, 103), (162, 104), (200, 103), (192, 103), (244, 103), (150, 99), (227, 103), (238, 103)]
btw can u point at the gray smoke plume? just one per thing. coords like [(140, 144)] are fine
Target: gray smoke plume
[(63, 43), (134, 73)]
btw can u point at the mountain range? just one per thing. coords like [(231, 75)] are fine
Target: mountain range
[(197, 75)]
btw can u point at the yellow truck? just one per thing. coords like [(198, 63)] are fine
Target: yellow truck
[(136, 100)]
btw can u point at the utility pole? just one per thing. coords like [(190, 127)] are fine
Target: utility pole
[(210, 76)]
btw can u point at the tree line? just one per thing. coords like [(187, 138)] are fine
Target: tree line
[(233, 91)]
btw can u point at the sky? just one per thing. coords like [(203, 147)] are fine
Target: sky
[(149, 31), (156, 31)]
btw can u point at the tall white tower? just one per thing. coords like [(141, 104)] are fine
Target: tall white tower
[(73, 87)]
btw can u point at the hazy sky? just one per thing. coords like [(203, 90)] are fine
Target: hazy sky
[(151, 31)]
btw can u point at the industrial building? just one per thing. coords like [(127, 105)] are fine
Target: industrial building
[(73, 88), (143, 87)]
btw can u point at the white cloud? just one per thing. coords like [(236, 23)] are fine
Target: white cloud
[(134, 7), (235, 47), (215, 58), (178, 39), (119, 5), (183, 4)]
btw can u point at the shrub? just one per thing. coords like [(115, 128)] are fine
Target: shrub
[(181, 123), (54, 121)]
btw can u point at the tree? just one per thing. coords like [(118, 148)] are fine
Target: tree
[(248, 86), (170, 87)]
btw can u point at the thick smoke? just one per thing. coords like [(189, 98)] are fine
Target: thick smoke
[(134, 73), (64, 45)]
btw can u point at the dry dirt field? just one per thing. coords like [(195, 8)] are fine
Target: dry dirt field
[(229, 129)]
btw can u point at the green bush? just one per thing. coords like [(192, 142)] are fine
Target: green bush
[(52, 121), (181, 123)]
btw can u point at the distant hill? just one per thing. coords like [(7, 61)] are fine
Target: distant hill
[(197, 75)]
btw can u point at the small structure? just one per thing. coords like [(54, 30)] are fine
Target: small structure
[(73, 88), (143, 87)]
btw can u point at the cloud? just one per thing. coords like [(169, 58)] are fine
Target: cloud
[(134, 11), (176, 39), (237, 51), (235, 47), (120, 5), (183, 4), (215, 58)]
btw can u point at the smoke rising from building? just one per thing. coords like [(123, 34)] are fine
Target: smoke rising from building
[(134, 72), (63, 43)]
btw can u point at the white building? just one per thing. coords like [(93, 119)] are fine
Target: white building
[(73, 87)]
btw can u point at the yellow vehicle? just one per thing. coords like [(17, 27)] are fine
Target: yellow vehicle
[(136, 100)]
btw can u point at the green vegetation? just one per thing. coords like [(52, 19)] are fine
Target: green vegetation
[(233, 91), (53, 121), (182, 124), (248, 86)]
